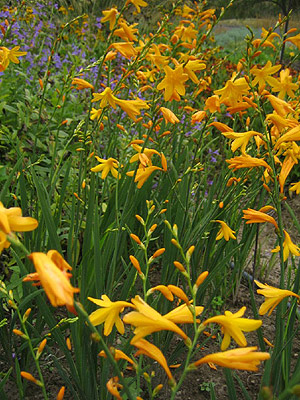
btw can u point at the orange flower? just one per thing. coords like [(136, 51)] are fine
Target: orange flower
[(82, 84), (125, 49), (273, 296), (113, 387), (286, 168), (173, 83), (117, 354), (147, 320), (212, 104), (137, 4), (246, 162), (288, 246), (168, 115), (259, 216), (285, 85), (111, 16), (153, 352), (109, 314), (225, 231), (233, 91), (246, 359), (11, 220), (51, 272), (233, 326), (198, 116)]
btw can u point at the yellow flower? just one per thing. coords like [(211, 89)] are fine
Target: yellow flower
[(198, 116), (246, 359), (186, 34), (273, 296), (111, 16), (132, 107), (117, 354), (137, 4), (107, 166), (259, 216), (233, 325), (295, 40), (193, 66), (246, 162), (183, 314), (125, 49), (284, 85), (240, 139), (126, 32), (143, 174), (52, 273), (153, 352), (168, 115), (12, 55), (288, 247), (109, 314), (96, 113), (11, 220), (113, 387), (212, 103), (280, 106), (105, 97), (233, 91), (286, 168), (164, 290), (143, 155), (147, 320), (225, 231), (173, 83), (263, 75), (82, 84), (290, 136), (295, 187)]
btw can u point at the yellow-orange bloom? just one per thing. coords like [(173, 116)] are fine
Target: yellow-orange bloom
[(198, 116), (273, 296), (212, 103), (173, 83), (290, 136), (11, 220), (109, 314), (147, 320), (246, 162), (150, 350), (288, 247), (225, 231), (183, 314), (106, 166), (286, 168), (117, 354), (137, 4), (246, 359), (168, 115), (143, 174), (295, 187), (110, 16), (295, 40), (280, 106), (52, 273), (240, 139), (233, 91), (285, 85), (259, 216), (12, 55), (125, 49), (82, 84), (113, 387), (233, 325)]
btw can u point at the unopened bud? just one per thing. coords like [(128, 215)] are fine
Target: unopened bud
[(179, 266), (41, 348), (157, 389), (26, 315), (190, 252), (174, 241), (20, 333), (135, 238), (31, 378), (140, 219)]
